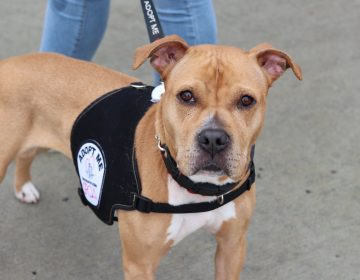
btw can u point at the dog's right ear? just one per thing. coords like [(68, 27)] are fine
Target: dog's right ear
[(163, 53)]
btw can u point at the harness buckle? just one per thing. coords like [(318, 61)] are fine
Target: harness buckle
[(141, 203), (157, 138), (220, 199)]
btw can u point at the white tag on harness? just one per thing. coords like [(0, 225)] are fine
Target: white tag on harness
[(91, 165), (157, 93)]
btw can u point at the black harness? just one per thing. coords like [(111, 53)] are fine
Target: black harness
[(102, 142)]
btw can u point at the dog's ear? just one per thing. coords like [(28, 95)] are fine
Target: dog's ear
[(163, 53), (274, 62)]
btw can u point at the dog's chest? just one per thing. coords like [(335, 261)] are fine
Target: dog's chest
[(184, 224)]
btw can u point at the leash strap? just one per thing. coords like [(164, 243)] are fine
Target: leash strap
[(152, 21), (146, 205)]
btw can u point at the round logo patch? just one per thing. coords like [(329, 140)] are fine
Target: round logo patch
[(91, 166)]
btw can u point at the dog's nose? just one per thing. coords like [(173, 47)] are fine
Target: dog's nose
[(213, 140)]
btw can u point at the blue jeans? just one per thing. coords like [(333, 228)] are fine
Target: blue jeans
[(76, 27)]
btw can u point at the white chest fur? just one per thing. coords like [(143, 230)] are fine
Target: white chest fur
[(184, 224)]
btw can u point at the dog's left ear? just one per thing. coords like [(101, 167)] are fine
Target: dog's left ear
[(163, 53), (274, 62)]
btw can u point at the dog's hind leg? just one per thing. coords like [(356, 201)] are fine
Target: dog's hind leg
[(15, 130), (8, 150), (24, 189), (4, 162)]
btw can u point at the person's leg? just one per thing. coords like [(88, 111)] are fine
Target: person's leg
[(193, 20), (74, 27)]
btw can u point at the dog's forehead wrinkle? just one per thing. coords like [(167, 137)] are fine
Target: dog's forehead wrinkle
[(219, 69), (239, 76), (208, 71), (208, 58)]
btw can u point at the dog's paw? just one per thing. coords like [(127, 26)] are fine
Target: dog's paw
[(28, 193)]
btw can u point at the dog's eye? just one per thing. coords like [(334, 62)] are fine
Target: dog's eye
[(187, 96), (246, 101)]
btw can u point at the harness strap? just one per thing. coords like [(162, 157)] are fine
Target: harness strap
[(146, 205)]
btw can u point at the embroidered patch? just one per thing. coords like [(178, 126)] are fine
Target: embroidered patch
[(91, 166)]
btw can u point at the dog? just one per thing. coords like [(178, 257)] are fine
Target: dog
[(209, 117)]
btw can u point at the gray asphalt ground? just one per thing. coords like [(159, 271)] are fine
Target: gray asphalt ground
[(306, 224)]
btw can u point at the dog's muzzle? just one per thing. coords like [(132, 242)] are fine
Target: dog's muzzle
[(203, 188)]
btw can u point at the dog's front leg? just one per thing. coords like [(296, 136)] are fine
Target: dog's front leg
[(143, 242), (230, 256), (231, 239)]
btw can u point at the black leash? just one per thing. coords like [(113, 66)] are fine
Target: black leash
[(152, 21)]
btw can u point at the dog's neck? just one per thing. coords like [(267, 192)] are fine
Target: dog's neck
[(152, 171)]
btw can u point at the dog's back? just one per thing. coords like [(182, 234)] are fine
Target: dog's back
[(40, 97)]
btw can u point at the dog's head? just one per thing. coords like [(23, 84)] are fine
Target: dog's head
[(214, 103)]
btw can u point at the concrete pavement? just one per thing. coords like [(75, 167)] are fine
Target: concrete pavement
[(306, 223)]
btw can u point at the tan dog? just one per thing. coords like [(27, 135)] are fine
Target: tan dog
[(209, 117)]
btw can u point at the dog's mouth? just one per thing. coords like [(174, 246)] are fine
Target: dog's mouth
[(211, 172), (210, 168)]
